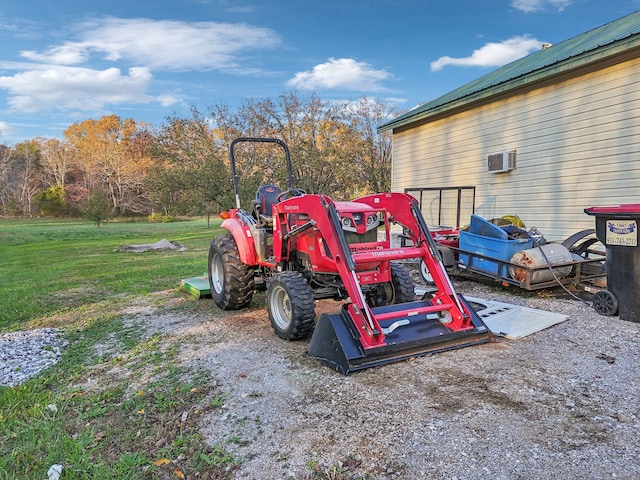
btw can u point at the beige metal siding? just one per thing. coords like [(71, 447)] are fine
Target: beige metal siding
[(577, 143)]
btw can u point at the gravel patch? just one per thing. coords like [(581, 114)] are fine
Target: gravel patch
[(26, 353), (561, 403)]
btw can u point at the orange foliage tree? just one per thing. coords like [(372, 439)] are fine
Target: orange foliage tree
[(114, 157)]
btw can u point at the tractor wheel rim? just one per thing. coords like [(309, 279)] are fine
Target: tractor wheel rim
[(217, 274), (281, 308), (426, 274)]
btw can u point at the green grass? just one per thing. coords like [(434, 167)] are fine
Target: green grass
[(114, 406), (51, 266)]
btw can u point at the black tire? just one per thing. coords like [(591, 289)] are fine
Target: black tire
[(605, 303), (291, 307), (230, 280), (570, 242), (585, 243), (403, 287)]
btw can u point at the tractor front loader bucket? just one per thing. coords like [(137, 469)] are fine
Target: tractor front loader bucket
[(335, 344)]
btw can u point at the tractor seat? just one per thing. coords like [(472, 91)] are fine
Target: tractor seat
[(266, 197)]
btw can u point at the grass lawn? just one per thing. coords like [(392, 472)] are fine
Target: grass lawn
[(70, 275), (50, 266)]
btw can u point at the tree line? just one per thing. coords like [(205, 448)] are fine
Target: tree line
[(121, 167)]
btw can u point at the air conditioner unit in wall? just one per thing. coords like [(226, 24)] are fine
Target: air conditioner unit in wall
[(501, 162)]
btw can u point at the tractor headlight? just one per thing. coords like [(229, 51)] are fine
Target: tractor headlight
[(348, 224), (372, 222)]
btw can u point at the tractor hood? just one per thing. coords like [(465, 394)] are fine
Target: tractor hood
[(348, 207)]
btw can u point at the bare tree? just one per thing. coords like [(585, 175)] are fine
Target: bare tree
[(57, 158), (6, 155), (373, 154), (27, 176)]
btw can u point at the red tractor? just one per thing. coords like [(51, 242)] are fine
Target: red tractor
[(302, 247)]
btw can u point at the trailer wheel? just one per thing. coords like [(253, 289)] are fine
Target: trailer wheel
[(586, 245), (403, 287), (231, 281), (291, 306), (605, 303), (571, 241)]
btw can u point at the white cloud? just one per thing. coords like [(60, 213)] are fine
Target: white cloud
[(6, 129), (492, 54), (73, 88), (63, 76), (395, 100), (530, 6), (343, 73), (68, 54), (163, 45), (9, 27)]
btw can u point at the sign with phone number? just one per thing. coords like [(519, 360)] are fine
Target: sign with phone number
[(622, 232)]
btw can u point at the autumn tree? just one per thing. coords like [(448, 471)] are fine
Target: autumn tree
[(183, 168), (190, 175), (256, 164), (113, 156), (321, 140)]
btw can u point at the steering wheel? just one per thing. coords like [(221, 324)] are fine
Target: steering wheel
[(294, 192)]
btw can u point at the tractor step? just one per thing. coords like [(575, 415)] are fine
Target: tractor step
[(334, 343)]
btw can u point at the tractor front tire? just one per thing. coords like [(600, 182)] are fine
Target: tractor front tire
[(403, 287), (291, 307), (231, 281)]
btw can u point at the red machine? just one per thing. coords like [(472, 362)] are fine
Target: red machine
[(303, 247)]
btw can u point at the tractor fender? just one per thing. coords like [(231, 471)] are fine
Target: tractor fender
[(244, 240)]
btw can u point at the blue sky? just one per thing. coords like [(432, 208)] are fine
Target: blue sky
[(64, 62)]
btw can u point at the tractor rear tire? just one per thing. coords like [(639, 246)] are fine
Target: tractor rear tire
[(403, 287), (231, 281), (291, 307)]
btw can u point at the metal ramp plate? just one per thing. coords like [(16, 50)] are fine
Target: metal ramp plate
[(514, 321)]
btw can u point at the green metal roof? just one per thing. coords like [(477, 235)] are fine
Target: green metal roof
[(599, 43)]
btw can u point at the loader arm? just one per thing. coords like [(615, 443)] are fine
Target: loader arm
[(322, 212), (404, 210), (372, 326)]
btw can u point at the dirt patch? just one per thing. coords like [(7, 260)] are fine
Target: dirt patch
[(163, 244), (562, 403)]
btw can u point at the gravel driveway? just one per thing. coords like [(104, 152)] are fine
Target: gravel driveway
[(562, 403)]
